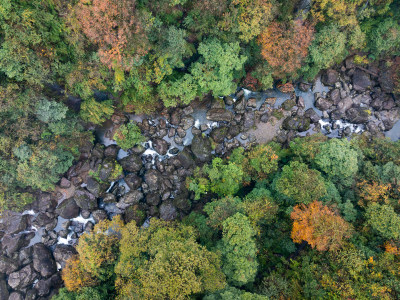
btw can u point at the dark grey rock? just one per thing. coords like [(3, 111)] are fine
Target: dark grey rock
[(153, 179), (68, 209), (43, 261), (111, 151), (201, 148), (12, 244), (323, 104), (131, 163), (109, 198), (248, 120), (357, 115), (361, 81), (296, 123), (8, 265), (168, 211), (161, 146), (219, 134), (3, 289), (16, 296), (219, 114), (133, 181), (85, 200), (22, 278), (62, 253), (14, 222), (330, 77), (93, 186)]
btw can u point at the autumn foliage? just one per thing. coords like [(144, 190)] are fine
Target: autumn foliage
[(319, 226), (75, 277), (285, 46), (372, 192), (115, 27)]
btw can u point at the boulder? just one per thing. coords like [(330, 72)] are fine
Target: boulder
[(153, 199), (8, 265), (99, 215), (85, 200), (93, 186), (175, 117), (312, 115), (131, 163), (16, 296), (111, 151), (334, 95), (168, 211), (22, 278), (219, 114), (46, 202), (323, 104), (248, 120), (296, 123), (44, 286), (12, 244), (135, 213), (132, 197), (62, 253), (161, 146), (133, 181), (14, 222), (3, 289), (330, 77), (288, 104), (300, 102), (187, 122), (389, 118), (361, 80), (218, 134), (68, 209), (109, 198), (43, 261), (345, 104), (185, 159), (201, 148), (153, 179), (357, 115)]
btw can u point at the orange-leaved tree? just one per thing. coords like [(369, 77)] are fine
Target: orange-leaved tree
[(285, 46), (116, 27), (319, 226)]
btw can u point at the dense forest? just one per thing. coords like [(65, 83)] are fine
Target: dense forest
[(288, 217)]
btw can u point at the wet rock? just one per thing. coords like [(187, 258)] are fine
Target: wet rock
[(109, 198), (185, 159), (131, 163), (357, 115), (175, 117), (181, 132), (334, 95), (161, 146), (330, 77), (133, 181), (85, 214), (3, 289), (304, 87), (153, 179), (389, 104), (228, 100), (22, 278), (85, 200), (7, 265), (361, 80), (171, 132), (389, 118), (111, 151), (25, 256), (188, 110), (12, 244), (296, 123), (248, 120), (16, 296), (233, 131), (43, 219), (362, 99), (65, 183), (43, 261), (62, 253), (178, 140), (385, 80), (271, 101), (252, 102), (130, 198), (201, 148), (300, 102), (153, 199), (68, 209), (93, 186), (219, 114), (187, 122), (168, 211), (14, 222), (46, 202), (288, 104), (323, 104), (99, 215), (345, 104), (219, 134), (196, 131), (135, 213)]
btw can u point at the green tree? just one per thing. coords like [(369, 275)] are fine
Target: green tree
[(216, 68), (301, 184), (384, 220), (338, 160), (96, 112), (164, 261), (128, 136), (231, 293), (50, 111), (385, 38), (239, 252)]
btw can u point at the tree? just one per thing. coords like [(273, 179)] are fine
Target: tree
[(343, 12), (319, 226), (301, 184), (164, 261), (50, 111), (215, 69), (385, 38), (384, 220), (337, 160), (324, 51), (96, 112), (219, 210), (239, 252), (231, 293), (128, 136), (285, 47), (117, 28), (261, 161)]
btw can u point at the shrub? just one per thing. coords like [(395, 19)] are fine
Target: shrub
[(128, 136)]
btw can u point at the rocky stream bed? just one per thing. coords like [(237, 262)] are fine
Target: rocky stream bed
[(36, 243)]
